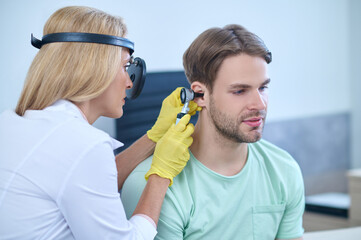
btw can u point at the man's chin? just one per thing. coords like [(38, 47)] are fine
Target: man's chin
[(254, 140), (255, 137)]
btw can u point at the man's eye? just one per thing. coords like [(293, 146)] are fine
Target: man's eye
[(263, 88), (238, 92)]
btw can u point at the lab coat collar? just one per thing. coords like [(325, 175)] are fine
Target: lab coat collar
[(68, 107), (71, 108)]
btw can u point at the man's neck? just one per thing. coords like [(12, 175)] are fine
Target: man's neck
[(216, 152)]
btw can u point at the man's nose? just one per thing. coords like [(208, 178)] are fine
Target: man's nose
[(258, 101)]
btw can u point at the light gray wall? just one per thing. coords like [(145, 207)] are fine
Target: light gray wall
[(320, 145), (311, 42), (355, 81)]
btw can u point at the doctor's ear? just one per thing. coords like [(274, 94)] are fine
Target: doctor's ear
[(199, 87)]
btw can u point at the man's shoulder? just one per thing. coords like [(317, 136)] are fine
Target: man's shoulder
[(264, 146), (143, 167), (134, 186), (136, 178), (270, 153), (278, 165)]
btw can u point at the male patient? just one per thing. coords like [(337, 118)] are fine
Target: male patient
[(235, 185)]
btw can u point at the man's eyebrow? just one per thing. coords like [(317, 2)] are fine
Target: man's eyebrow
[(240, 85), (267, 81)]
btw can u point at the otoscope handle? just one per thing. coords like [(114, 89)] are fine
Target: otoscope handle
[(184, 111), (179, 116)]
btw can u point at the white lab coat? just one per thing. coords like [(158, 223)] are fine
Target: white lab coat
[(58, 179)]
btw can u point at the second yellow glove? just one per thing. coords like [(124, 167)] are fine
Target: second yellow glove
[(171, 152)]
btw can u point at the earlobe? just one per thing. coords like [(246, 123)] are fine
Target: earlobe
[(199, 87)]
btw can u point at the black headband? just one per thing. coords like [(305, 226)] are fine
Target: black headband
[(83, 37)]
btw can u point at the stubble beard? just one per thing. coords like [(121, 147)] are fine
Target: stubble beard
[(229, 127)]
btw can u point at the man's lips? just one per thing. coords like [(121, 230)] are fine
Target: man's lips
[(253, 122)]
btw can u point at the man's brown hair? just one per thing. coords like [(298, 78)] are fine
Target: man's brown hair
[(205, 55)]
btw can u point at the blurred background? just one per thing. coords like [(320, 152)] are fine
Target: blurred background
[(315, 106)]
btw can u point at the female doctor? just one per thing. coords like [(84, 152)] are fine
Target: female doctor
[(59, 178)]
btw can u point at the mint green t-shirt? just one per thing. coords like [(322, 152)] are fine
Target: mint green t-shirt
[(265, 200)]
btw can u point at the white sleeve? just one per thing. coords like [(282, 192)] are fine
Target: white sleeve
[(90, 202)]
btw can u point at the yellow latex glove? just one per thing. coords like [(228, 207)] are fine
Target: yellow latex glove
[(171, 106), (171, 152)]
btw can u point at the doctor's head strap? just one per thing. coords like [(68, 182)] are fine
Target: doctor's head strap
[(83, 37)]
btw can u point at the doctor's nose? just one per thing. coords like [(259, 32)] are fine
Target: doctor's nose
[(129, 82)]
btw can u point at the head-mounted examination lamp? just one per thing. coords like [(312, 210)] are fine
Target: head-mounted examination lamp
[(136, 69)]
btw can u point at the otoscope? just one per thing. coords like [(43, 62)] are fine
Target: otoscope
[(186, 95)]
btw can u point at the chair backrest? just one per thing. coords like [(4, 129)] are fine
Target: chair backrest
[(140, 114)]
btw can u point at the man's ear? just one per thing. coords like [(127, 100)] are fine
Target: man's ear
[(199, 87)]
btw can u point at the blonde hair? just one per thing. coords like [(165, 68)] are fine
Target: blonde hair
[(73, 71)]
